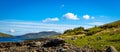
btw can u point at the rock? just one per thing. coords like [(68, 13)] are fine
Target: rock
[(34, 51), (65, 47), (18, 44), (68, 50), (42, 45), (111, 49), (39, 50), (34, 44), (61, 50), (54, 42), (78, 50), (37, 43)]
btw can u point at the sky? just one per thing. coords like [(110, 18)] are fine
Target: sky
[(18, 17)]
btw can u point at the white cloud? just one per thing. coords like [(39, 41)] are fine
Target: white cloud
[(50, 19), (71, 16), (12, 30), (86, 17)]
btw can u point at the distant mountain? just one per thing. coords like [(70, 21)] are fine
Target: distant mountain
[(5, 35), (39, 35)]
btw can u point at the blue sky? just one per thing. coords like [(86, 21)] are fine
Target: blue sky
[(18, 17)]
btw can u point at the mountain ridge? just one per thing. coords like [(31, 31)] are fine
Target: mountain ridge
[(39, 34)]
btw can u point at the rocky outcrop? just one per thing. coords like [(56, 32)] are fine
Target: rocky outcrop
[(54, 42), (111, 49), (44, 45)]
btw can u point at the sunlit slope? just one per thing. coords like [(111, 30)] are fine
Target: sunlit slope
[(4, 35)]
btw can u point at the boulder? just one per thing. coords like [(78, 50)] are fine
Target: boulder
[(53, 42), (37, 43), (18, 44), (34, 44), (111, 49), (65, 47)]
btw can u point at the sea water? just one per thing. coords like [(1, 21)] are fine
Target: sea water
[(10, 39)]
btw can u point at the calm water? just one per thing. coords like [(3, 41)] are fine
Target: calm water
[(13, 39)]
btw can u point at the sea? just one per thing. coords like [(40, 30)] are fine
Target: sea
[(11, 39)]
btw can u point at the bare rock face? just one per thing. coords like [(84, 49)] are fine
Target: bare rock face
[(111, 49)]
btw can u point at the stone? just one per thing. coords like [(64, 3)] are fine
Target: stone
[(65, 47), (44, 45), (54, 42), (111, 49), (18, 44), (34, 44), (38, 43)]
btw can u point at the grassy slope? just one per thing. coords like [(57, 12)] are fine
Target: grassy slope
[(106, 40), (4, 35), (109, 33)]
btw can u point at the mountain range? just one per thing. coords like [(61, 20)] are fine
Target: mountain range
[(39, 34)]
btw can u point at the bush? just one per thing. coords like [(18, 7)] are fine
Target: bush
[(94, 30)]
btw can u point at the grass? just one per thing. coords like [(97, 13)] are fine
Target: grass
[(95, 43), (109, 37), (5, 35), (97, 37)]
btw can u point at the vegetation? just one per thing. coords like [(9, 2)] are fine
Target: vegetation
[(92, 31), (99, 36), (5, 35), (76, 31), (100, 41)]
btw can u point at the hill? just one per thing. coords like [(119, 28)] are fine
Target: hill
[(98, 37), (94, 30), (39, 35), (5, 35)]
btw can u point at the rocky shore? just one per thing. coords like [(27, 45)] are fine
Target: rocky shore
[(44, 45)]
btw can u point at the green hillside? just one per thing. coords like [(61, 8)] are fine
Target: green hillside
[(4, 35), (98, 37), (94, 30)]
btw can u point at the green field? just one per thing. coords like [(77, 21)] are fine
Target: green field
[(97, 37)]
